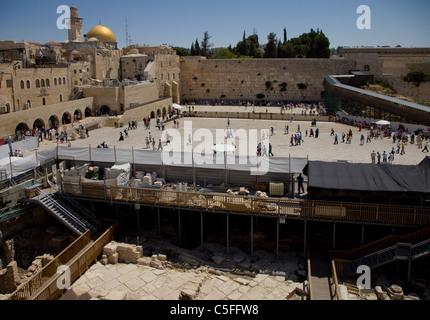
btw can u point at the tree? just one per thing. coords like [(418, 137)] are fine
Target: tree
[(182, 52), (271, 47), (243, 46), (285, 36), (197, 50), (206, 45), (192, 50)]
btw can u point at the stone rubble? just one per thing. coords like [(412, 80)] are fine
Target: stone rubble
[(155, 271)]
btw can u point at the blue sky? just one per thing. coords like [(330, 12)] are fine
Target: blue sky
[(179, 23)]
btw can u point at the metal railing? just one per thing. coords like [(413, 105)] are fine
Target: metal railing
[(81, 210), (62, 209), (380, 244)]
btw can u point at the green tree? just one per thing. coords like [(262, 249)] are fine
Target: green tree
[(182, 52), (271, 48), (197, 50), (223, 53)]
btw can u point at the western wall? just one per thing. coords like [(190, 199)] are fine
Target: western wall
[(242, 79)]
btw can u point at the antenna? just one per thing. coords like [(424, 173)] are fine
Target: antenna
[(128, 40)]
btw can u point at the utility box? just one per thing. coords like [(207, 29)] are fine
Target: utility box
[(31, 191), (276, 188)]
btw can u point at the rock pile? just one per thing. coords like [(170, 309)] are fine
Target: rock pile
[(114, 253)]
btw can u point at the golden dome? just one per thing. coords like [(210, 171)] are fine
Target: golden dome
[(101, 33)]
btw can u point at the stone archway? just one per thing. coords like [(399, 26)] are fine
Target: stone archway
[(87, 112), (53, 122), (77, 115), (164, 111), (104, 110), (21, 126), (66, 118), (38, 123), (158, 113), (152, 115)]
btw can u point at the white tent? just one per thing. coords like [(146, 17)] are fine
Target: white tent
[(177, 106), (383, 123), (223, 148)]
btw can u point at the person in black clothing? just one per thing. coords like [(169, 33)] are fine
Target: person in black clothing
[(300, 183)]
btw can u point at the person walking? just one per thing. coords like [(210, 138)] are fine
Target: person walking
[(378, 156), (336, 141), (373, 157), (403, 148), (426, 147), (384, 157), (270, 150), (300, 183)]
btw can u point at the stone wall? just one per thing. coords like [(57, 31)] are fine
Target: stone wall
[(36, 87), (420, 94), (238, 79), (28, 117), (114, 97)]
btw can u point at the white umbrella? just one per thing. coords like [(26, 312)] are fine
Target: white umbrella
[(177, 106), (223, 148), (383, 123)]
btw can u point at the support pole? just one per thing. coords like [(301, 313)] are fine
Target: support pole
[(362, 234), (180, 231), (334, 235), (277, 238), (304, 242), (228, 238), (201, 228), (252, 235), (409, 272), (138, 220), (159, 221)]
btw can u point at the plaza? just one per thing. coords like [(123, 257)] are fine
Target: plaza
[(314, 149)]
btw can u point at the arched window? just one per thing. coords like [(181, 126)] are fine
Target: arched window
[(42, 83), (59, 81), (22, 84), (7, 108), (44, 101), (47, 83), (28, 104), (64, 80), (55, 81), (28, 84), (37, 83), (61, 98)]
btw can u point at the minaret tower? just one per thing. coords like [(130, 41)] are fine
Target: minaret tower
[(75, 31)]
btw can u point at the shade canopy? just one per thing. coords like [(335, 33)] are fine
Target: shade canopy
[(223, 148), (177, 106), (383, 123)]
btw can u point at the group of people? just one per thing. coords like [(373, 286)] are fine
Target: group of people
[(376, 157), (262, 150)]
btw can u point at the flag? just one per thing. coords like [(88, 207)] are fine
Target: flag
[(41, 52)]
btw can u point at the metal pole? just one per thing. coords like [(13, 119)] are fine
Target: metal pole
[(89, 149), (228, 239), (138, 220), (201, 228), (180, 233), (362, 234), (304, 244), (334, 235), (159, 221), (252, 235), (277, 238), (409, 272)]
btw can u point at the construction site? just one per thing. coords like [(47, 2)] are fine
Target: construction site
[(214, 231)]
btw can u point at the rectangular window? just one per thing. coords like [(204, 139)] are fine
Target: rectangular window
[(8, 83)]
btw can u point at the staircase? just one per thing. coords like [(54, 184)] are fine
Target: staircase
[(66, 215), (400, 251)]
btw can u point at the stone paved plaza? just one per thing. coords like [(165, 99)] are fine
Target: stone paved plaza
[(315, 149), (193, 277)]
